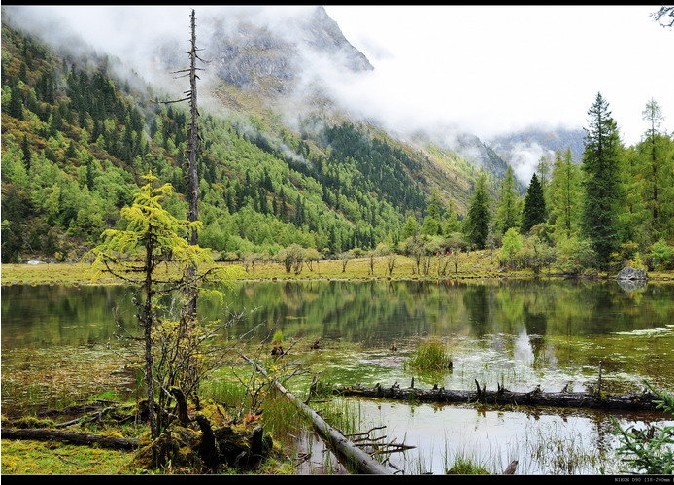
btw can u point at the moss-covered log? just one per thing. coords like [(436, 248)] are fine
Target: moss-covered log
[(626, 402), (87, 439)]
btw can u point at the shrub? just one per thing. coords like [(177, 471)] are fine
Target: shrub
[(464, 466), (574, 255), (513, 242)]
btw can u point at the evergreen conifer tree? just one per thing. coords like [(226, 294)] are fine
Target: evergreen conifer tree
[(534, 205), (479, 215), (601, 165)]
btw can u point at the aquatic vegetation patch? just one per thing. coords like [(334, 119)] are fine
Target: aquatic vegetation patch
[(648, 332), (59, 376), (431, 355)]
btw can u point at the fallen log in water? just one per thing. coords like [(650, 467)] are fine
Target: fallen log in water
[(69, 437), (626, 402), (343, 447)]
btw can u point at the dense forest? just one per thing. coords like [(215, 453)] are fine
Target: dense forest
[(76, 141)]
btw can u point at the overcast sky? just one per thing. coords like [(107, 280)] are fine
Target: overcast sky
[(487, 70), (497, 68)]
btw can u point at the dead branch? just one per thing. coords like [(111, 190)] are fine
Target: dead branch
[(628, 402)]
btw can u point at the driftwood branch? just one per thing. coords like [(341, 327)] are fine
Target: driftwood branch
[(626, 402), (344, 449)]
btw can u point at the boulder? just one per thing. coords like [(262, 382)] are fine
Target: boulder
[(629, 273)]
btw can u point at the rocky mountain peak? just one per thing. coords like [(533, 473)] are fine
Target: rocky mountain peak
[(270, 51)]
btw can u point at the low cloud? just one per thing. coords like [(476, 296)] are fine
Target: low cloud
[(424, 79), (524, 159)]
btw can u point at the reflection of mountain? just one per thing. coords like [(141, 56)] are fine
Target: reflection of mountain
[(536, 325), (563, 324)]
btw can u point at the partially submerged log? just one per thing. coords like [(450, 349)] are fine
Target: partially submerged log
[(626, 402), (343, 447), (73, 438)]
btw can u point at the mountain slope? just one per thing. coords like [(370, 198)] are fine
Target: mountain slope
[(77, 140), (79, 133), (525, 148)]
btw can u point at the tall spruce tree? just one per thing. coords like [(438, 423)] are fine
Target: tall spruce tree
[(479, 214), (432, 223), (534, 205), (603, 197)]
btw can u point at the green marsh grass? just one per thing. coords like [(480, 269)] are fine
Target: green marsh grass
[(430, 355), (476, 264), (282, 418), (346, 416), (463, 465)]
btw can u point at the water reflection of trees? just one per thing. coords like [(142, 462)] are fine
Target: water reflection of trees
[(38, 316), (374, 313), (380, 312), (477, 304)]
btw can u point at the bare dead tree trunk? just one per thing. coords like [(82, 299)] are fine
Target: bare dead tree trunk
[(192, 147), (148, 323), (348, 453), (192, 150), (189, 316)]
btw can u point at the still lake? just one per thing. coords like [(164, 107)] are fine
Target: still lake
[(519, 333)]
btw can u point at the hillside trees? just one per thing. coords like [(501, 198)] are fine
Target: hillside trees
[(85, 139), (451, 223), (81, 129), (432, 223), (602, 190)]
